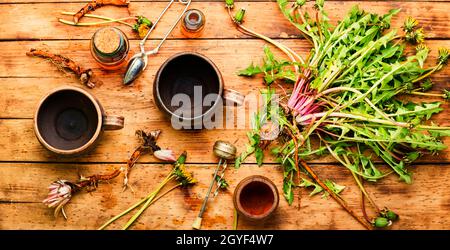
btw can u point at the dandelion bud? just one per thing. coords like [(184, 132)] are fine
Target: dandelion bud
[(165, 155), (443, 56), (239, 17), (446, 94), (320, 3), (390, 215), (381, 222), (426, 85), (144, 20), (410, 24), (229, 4), (300, 2)]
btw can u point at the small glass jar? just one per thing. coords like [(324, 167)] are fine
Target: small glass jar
[(110, 47), (193, 23)]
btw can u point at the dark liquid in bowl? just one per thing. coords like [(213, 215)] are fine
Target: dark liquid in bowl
[(181, 76), (257, 198), (67, 120)]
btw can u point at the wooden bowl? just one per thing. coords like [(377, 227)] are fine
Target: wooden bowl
[(256, 198)]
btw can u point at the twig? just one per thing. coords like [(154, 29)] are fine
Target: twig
[(335, 197)]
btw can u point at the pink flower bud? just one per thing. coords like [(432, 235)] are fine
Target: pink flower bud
[(165, 155)]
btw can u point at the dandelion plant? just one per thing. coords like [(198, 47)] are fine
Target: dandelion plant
[(346, 96)]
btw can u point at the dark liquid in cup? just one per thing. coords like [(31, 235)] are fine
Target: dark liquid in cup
[(257, 198), (67, 120), (71, 124), (187, 75)]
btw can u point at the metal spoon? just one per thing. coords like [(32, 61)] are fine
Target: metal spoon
[(138, 62)]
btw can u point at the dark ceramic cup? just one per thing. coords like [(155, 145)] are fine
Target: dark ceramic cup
[(197, 78), (256, 198), (69, 121)]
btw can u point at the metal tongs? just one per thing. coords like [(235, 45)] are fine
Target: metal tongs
[(139, 61)]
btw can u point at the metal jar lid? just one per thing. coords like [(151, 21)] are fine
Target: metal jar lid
[(224, 150), (194, 20)]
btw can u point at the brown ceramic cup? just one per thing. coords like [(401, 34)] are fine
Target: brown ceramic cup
[(185, 73), (69, 121), (256, 198)]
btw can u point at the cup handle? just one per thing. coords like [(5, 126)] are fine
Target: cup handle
[(233, 96), (113, 122)]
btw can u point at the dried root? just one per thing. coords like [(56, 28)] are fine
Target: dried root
[(85, 75), (61, 191), (97, 4)]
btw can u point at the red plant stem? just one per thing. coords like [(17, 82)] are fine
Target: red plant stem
[(295, 154), (335, 197), (363, 207)]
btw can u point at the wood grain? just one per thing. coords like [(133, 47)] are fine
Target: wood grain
[(26, 169), (85, 1), (433, 18), (20, 197), (22, 90)]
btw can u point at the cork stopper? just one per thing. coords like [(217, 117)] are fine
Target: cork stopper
[(107, 40)]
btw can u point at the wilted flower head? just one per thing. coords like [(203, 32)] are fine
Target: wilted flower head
[(59, 194), (446, 94), (148, 140), (142, 26), (410, 24), (181, 174), (443, 56), (415, 36), (165, 155), (422, 47)]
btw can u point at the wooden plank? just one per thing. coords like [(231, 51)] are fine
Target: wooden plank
[(433, 17), (84, 1), (21, 95), (18, 143), (422, 205), (19, 73)]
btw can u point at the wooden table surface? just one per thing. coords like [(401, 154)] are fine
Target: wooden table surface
[(26, 169)]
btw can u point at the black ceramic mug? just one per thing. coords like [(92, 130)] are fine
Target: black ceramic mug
[(190, 76), (69, 121)]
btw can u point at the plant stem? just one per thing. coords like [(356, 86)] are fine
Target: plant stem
[(148, 202), (338, 89), (335, 197), (108, 20), (136, 205), (351, 116), (361, 187), (291, 54), (363, 207), (426, 94), (235, 219), (434, 69)]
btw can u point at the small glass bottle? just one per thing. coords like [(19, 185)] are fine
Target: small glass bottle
[(193, 23), (110, 47)]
